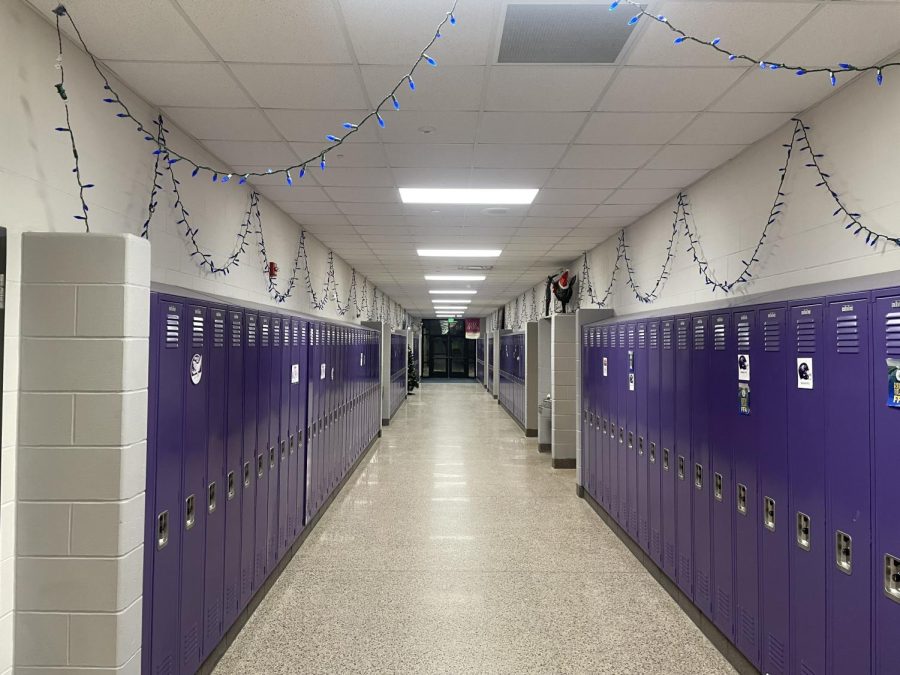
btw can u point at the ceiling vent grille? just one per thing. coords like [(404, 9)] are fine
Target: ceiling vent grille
[(562, 34)]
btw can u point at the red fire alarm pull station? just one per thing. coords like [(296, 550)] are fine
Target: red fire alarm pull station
[(273, 270)]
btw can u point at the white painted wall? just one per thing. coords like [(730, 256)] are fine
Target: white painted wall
[(39, 194)]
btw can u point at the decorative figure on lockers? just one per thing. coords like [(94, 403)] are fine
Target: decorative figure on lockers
[(563, 286)]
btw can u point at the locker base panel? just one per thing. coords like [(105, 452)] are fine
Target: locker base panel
[(707, 627), (231, 635), (385, 421), (545, 447), (531, 433), (513, 417), (563, 463)]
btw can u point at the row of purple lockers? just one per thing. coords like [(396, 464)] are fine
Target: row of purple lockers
[(398, 371), (512, 375), (489, 346), (752, 453), (479, 359), (254, 419)]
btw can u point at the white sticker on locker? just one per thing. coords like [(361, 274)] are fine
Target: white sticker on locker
[(743, 367), (332, 374), (630, 381), (362, 359), (295, 373), (605, 367), (322, 372), (804, 373)]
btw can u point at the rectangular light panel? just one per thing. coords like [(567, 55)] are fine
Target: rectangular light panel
[(452, 292), (453, 277), (467, 195), (459, 253)]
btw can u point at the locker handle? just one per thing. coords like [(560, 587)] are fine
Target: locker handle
[(803, 531), (843, 552), (680, 467), (665, 459), (698, 476), (291, 444), (631, 440), (211, 497), (621, 434), (246, 474), (272, 458), (892, 577), (231, 486), (769, 513), (162, 530), (640, 445), (190, 512), (742, 499), (652, 452), (718, 486), (260, 465), (283, 450)]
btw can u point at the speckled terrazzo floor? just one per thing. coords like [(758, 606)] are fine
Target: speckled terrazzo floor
[(455, 548)]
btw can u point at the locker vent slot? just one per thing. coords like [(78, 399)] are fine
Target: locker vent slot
[(218, 329), (654, 336), (806, 670), (724, 610), (622, 337), (684, 568), (682, 335), (296, 341), (276, 332), (743, 335), (719, 337), (848, 334), (252, 331), (287, 333), (213, 618), (667, 335), (197, 330), (702, 589), (700, 335), (748, 626), (191, 644), (235, 330), (776, 655), (631, 337), (670, 556), (265, 333), (771, 336), (303, 334), (806, 335), (604, 338), (173, 323), (642, 337), (165, 666), (892, 334)]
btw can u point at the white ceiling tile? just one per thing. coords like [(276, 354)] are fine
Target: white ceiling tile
[(572, 196), (774, 91), (744, 27), (302, 87), (621, 210), (551, 223), (325, 221), (437, 155), (524, 127), (259, 153), (694, 156), (603, 224), (347, 177), (432, 177), (383, 33), (412, 126), (589, 178), (608, 156), (283, 193), (560, 210), (182, 84), (359, 194), (509, 178), (644, 196), (633, 128), (233, 124), (244, 33), (731, 128), (309, 208), (375, 220), (315, 125), (640, 89), (546, 87), (384, 230), (450, 88), (521, 156), (362, 209), (351, 154), (664, 178)]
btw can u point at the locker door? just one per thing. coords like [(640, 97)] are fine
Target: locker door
[(653, 448), (214, 501), (615, 444), (312, 388), (285, 519), (164, 466), (745, 498), (721, 404), (265, 452), (630, 433), (667, 440), (886, 567), (640, 451), (272, 541), (249, 458), (231, 489), (586, 401), (193, 486), (606, 430), (848, 484), (295, 437), (770, 407), (684, 483), (599, 412), (700, 474), (302, 425), (622, 373)]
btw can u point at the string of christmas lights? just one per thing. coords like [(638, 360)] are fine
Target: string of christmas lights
[(653, 294), (715, 43), (292, 172)]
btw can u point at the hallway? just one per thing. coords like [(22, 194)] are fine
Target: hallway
[(456, 548)]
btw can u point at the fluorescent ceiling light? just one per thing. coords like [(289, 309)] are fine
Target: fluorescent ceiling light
[(454, 308), (453, 277), (467, 195), (458, 253), (455, 301), (453, 292)]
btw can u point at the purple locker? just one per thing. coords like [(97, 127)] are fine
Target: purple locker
[(770, 408), (668, 474), (265, 453), (273, 540), (251, 457), (607, 431), (631, 520), (330, 462), (285, 521), (312, 388), (720, 404), (811, 544), (742, 431), (700, 474), (848, 484), (164, 466), (654, 463), (231, 494), (622, 398), (295, 488), (193, 486), (886, 568), (599, 410), (586, 423), (640, 451), (615, 442), (684, 483), (214, 555)]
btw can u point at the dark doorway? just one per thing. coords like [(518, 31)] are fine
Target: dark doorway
[(447, 354)]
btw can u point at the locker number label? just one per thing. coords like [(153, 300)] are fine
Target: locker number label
[(322, 372), (743, 367), (804, 373), (605, 366), (295, 373)]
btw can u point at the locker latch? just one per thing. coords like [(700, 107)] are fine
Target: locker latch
[(291, 444), (640, 445), (621, 434), (631, 440), (271, 458), (246, 474), (652, 452), (769, 513), (190, 512), (803, 531), (260, 465), (283, 450), (605, 426), (231, 486), (211, 497), (718, 486), (665, 459), (742, 499), (162, 530), (680, 467), (698, 476), (892, 577), (843, 552)]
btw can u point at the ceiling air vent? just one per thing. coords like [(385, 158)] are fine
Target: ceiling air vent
[(563, 34)]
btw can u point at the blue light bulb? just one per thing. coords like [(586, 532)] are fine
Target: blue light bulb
[(302, 171), (661, 18), (732, 57), (774, 66), (227, 178), (452, 20), (215, 177), (290, 181), (380, 120), (845, 66), (633, 20), (395, 102), (322, 163), (833, 79), (350, 125), (430, 61), (715, 41), (412, 84), (243, 179), (613, 5), (332, 138), (195, 172), (679, 39), (879, 77), (801, 72)]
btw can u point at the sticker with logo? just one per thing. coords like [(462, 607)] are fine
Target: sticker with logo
[(893, 370), (804, 373), (196, 368), (743, 367), (295, 373)]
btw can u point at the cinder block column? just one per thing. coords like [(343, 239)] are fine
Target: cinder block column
[(563, 345), (531, 379), (584, 317), (384, 330), (82, 452)]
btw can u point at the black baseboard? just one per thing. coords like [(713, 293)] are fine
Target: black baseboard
[(385, 422), (719, 640), (228, 639), (513, 418), (545, 447), (559, 463), (531, 433)]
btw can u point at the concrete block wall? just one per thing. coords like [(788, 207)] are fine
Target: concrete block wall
[(82, 427), (563, 347)]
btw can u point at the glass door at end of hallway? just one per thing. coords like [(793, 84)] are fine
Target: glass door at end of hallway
[(448, 356)]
